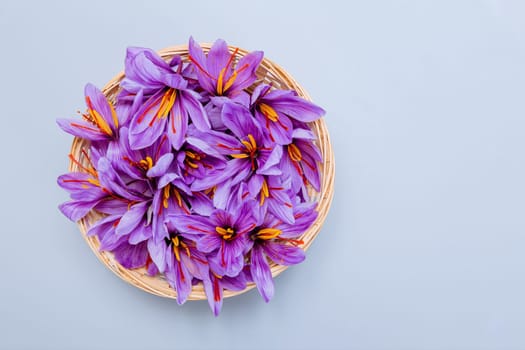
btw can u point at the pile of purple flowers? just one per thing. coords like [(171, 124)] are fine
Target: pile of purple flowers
[(200, 170)]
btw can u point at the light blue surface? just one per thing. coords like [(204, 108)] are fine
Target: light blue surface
[(423, 247)]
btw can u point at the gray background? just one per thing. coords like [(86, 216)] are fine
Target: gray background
[(423, 247)]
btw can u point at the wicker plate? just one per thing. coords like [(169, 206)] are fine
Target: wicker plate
[(267, 72)]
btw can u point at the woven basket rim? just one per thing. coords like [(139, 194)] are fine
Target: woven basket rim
[(158, 285)]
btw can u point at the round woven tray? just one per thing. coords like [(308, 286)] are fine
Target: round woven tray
[(268, 72)]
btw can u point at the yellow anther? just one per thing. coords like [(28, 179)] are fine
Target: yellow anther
[(252, 141), (268, 233), (269, 112), (265, 191), (230, 81), (240, 155), (94, 182), (220, 81), (178, 197), (166, 196), (226, 233), (294, 153), (167, 103), (191, 155)]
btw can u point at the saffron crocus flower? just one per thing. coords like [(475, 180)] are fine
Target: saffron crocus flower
[(99, 123), (170, 105), (198, 158), (272, 195), (277, 241), (217, 72), (273, 109), (154, 167), (179, 259), (250, 153), (127, 252), (301, 160), (223, 236), (84, 188)]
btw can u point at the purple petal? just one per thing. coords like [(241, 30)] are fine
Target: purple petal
[(131, 219), (261, 273), (279, 131), (283, 211), (196, 264), (192, 224), (231, 257), (236, 283), (218, 57), (239, 120), (213, 290), (255, 184), (273, 159), (236, 170), (221, 142), (166, 179), (103, 226), (152, 269), (300, 133), (309, 148), (161, 166), (81, 129), (198, 58), (311, 171), (222, 194), (209, 242), (157, 252), (298, 108), (247, 66), (76, 210), (147, 68), (131, 256), (111, 241), (112, 206), (178, 124), (305, 215), (81, 186), (179, 278), (201, 204), (195, 110), (283, 254), (140, 234), (214, 115)]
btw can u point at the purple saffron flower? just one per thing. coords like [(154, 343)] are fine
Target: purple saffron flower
[(250, 153), (274, 108), (100, 122), (170, 103), (272, 194), (154, 167), (179, 259), (223, 236), (301, 160), (275, 240), (217, 72), (197, 158), (129, 254), (84, 187)]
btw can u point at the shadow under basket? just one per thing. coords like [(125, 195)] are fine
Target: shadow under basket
[(267, 72)]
